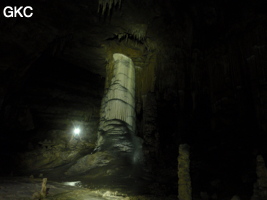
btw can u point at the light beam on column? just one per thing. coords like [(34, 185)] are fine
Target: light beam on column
[(117, 117)]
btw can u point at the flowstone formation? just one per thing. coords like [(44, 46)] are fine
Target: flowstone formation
[(117, 122)]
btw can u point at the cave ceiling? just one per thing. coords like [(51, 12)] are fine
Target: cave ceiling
[(79, 33), (82, 34)]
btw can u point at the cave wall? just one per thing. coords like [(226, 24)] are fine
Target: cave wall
[(40, 115), (210, 90), (227, 82)]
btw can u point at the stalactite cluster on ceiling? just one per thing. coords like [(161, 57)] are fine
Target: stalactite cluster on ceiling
[(104, 5)]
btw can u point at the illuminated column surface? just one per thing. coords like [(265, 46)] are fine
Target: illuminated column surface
[(117, 117)]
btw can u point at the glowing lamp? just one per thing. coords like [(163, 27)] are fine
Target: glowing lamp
[(76, 131)]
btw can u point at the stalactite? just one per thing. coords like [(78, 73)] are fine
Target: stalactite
[(138, 31), (107, 4)]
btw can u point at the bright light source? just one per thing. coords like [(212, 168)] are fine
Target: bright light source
[(75, 183), (77, 131)]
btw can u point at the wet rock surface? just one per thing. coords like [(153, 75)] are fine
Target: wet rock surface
[(24, 188), (21, 188)]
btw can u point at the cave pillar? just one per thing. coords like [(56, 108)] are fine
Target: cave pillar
[(260, 187), (184, 181), (117, 117)]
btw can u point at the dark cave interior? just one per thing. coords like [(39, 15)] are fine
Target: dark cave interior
[(199, 79)]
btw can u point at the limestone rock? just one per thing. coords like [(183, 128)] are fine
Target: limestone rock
[(91, 161)]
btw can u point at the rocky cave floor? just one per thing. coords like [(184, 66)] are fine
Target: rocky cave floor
[(23, 188)]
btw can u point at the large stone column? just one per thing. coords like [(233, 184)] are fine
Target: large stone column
[(117, 117)]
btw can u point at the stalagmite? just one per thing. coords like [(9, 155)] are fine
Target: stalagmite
[(43, 193), (117, 122), (44, 189), (260, 187), (184, 181)]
